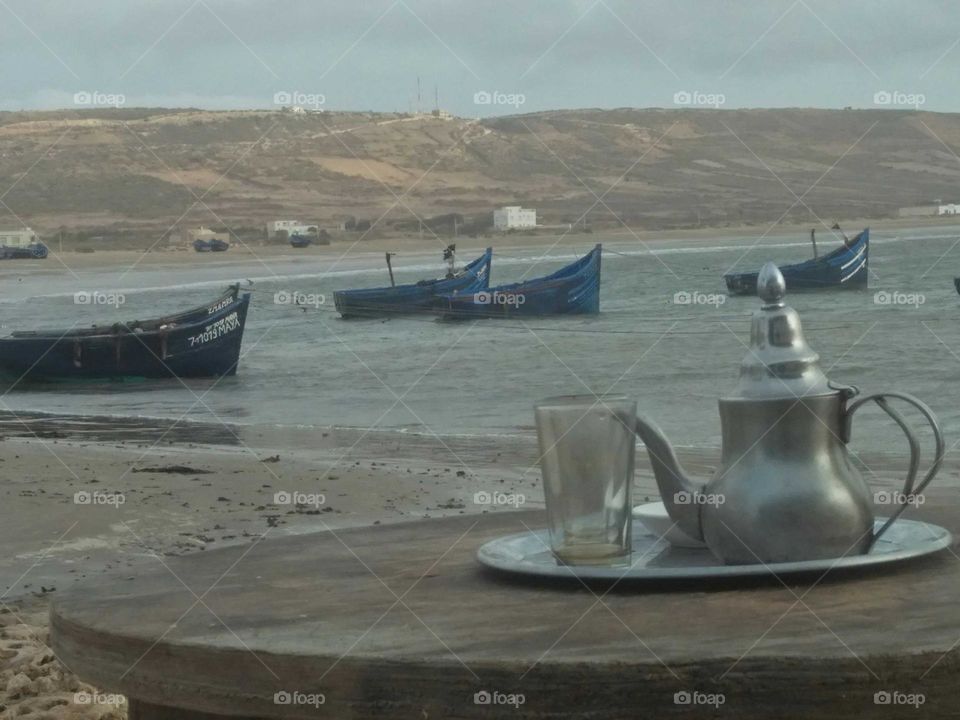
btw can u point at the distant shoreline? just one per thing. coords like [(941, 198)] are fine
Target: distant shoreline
[(354, 249)]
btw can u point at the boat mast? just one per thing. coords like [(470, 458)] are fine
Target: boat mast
[(813, 239), (390, 269)]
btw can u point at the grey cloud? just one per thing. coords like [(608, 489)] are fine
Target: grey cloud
[(224, 53)]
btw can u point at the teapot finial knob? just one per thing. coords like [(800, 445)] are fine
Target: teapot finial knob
[(771, 287)]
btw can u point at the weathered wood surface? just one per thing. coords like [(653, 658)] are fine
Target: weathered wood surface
[(400, 621)]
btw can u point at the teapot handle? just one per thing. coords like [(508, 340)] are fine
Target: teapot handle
[(908, 486)]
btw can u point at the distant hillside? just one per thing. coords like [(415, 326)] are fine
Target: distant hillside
[(128, 168)]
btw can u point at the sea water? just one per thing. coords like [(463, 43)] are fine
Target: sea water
[(666, 334)]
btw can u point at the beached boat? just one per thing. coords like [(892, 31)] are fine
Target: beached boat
[(846, 268), (34, 251), (212, 245), (416, 298), (300, 241), (574, 289), (200, 342)]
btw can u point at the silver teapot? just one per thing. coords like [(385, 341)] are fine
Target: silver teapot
[(786, 489)]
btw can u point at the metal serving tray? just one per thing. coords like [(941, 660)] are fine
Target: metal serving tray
[(528, 554)]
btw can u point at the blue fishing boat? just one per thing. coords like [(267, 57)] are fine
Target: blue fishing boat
[(574, 289), (212, 245), (34, 251), (200, 342), (416, 298), (846, 268)]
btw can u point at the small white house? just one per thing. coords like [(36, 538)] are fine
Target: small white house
[(948, 210), (513, 216), (19, 238), (291, 226)]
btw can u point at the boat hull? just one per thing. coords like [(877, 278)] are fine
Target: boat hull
[(572, 290), (411, 299), (846, 268), (203, 346)]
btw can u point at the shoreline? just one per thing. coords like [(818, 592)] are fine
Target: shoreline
[(356, 249), (95, 511), (181, 495)]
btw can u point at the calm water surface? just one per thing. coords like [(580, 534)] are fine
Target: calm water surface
[(311, 368)]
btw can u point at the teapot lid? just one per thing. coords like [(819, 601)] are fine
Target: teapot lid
[(779, 363)]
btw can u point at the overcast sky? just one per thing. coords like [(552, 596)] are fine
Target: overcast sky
[(527, 55)]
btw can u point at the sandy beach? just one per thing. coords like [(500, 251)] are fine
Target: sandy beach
[(349, 246), (82, 510), (89, 503)]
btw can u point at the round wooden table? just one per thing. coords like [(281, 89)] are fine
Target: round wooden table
[(399, 621)]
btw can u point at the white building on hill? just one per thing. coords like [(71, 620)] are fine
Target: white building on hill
[(952, 209), (18, 238), (292, 227), (513, 216)]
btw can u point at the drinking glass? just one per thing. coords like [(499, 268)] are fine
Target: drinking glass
[(587, 447)]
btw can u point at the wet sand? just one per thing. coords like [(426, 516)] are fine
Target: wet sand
[(85, 500), (80, 504)]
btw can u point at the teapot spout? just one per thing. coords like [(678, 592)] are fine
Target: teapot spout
[(678, 492)]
